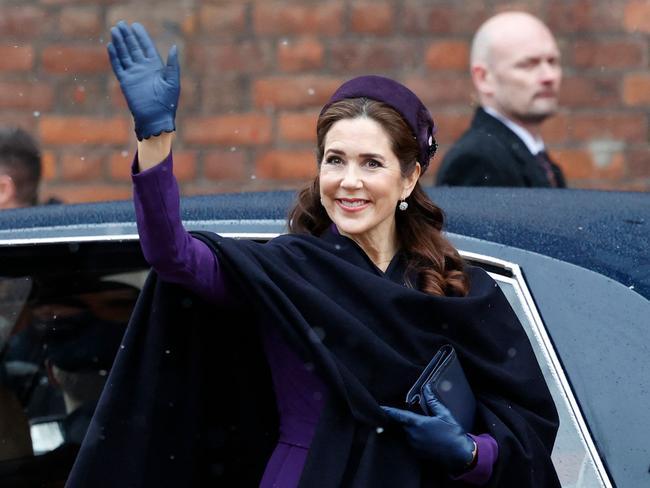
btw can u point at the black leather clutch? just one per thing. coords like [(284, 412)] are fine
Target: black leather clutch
[(448, 382)]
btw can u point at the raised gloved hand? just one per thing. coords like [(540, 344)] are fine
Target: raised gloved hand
[(438, 437), (150, 87)]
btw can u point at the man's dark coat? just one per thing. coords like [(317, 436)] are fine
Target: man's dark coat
[(188, 401), (490, 154)]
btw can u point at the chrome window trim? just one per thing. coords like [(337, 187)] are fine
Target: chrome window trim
[(121, 237), (67, 240), (516, 280), (539, 330)]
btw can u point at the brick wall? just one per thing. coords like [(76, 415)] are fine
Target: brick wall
[(256, 72)]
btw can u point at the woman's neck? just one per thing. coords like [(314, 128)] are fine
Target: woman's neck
[(380, 249)]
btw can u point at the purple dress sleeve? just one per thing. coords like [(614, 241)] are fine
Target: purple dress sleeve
[(174, 254), (179, 258), (487, 451)]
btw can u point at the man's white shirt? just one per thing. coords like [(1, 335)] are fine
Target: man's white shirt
[(534, 144)]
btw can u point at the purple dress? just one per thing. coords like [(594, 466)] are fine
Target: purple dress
[(178, 257)]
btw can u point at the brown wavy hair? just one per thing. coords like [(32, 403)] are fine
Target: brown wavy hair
[(432, 259)]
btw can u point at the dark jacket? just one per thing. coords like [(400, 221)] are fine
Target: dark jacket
[(490, 154), (188, 402)]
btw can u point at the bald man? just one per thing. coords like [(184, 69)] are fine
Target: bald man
[(515, 68)]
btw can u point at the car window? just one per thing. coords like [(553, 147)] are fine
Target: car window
[(59, 335), (574, 456)]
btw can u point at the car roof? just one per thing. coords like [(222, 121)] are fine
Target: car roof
[(607, 232)]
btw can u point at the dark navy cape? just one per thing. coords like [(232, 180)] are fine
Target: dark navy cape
[(189, 400)]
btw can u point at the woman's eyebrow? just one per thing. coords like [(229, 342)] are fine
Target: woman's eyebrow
[(363, 155), (372, 156)]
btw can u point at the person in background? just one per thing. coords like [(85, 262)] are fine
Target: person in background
[(515, 68), (20, 169), (80, 348)]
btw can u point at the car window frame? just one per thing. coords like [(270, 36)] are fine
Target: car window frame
[(506, 272)]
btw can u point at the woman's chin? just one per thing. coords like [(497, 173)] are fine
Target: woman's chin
[(350, 229)]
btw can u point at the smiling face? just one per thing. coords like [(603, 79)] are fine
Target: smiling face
[(361, 181)]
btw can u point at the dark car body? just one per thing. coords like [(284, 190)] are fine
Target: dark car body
[(575, 266)]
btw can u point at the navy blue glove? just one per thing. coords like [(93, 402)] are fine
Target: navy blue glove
[(150, 87), (438, 437)]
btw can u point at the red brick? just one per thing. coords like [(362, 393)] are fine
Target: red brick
[(87, 95), (555, 130), (377, 56), (25, 120), (210, 187), (638, 162), (579, 164), (96, 192), (189, 23), (442, 91), (372, 18), (221, 94), (629, 127), (614, 168), (73, 2), (26, 95), (222, 20), (610, 185), (117, 98), (119, 165), (190, 93), (285, 18), (48, 166), (163, 21), (638, 186), (80, 166), (576, 164), (426, 17), (16, 57), (286, 165), (200, 187), (298, 127), (450, 126), (590, 91), (185, 165), (294, 92), (225, 165), (637, 16), (71, 59), (241, 57), (608, 54), (636, 89), (80, 21), (24, 22), (300, 55), (238, 129), (584, 16), (84, 130), (447, 55)]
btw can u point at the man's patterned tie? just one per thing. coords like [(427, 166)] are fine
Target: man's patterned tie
[(545, 163)]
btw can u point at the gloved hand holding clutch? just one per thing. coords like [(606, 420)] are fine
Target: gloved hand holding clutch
[(150, 87), (438, 437)]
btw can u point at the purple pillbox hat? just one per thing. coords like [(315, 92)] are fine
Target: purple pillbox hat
[(401, 99)]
